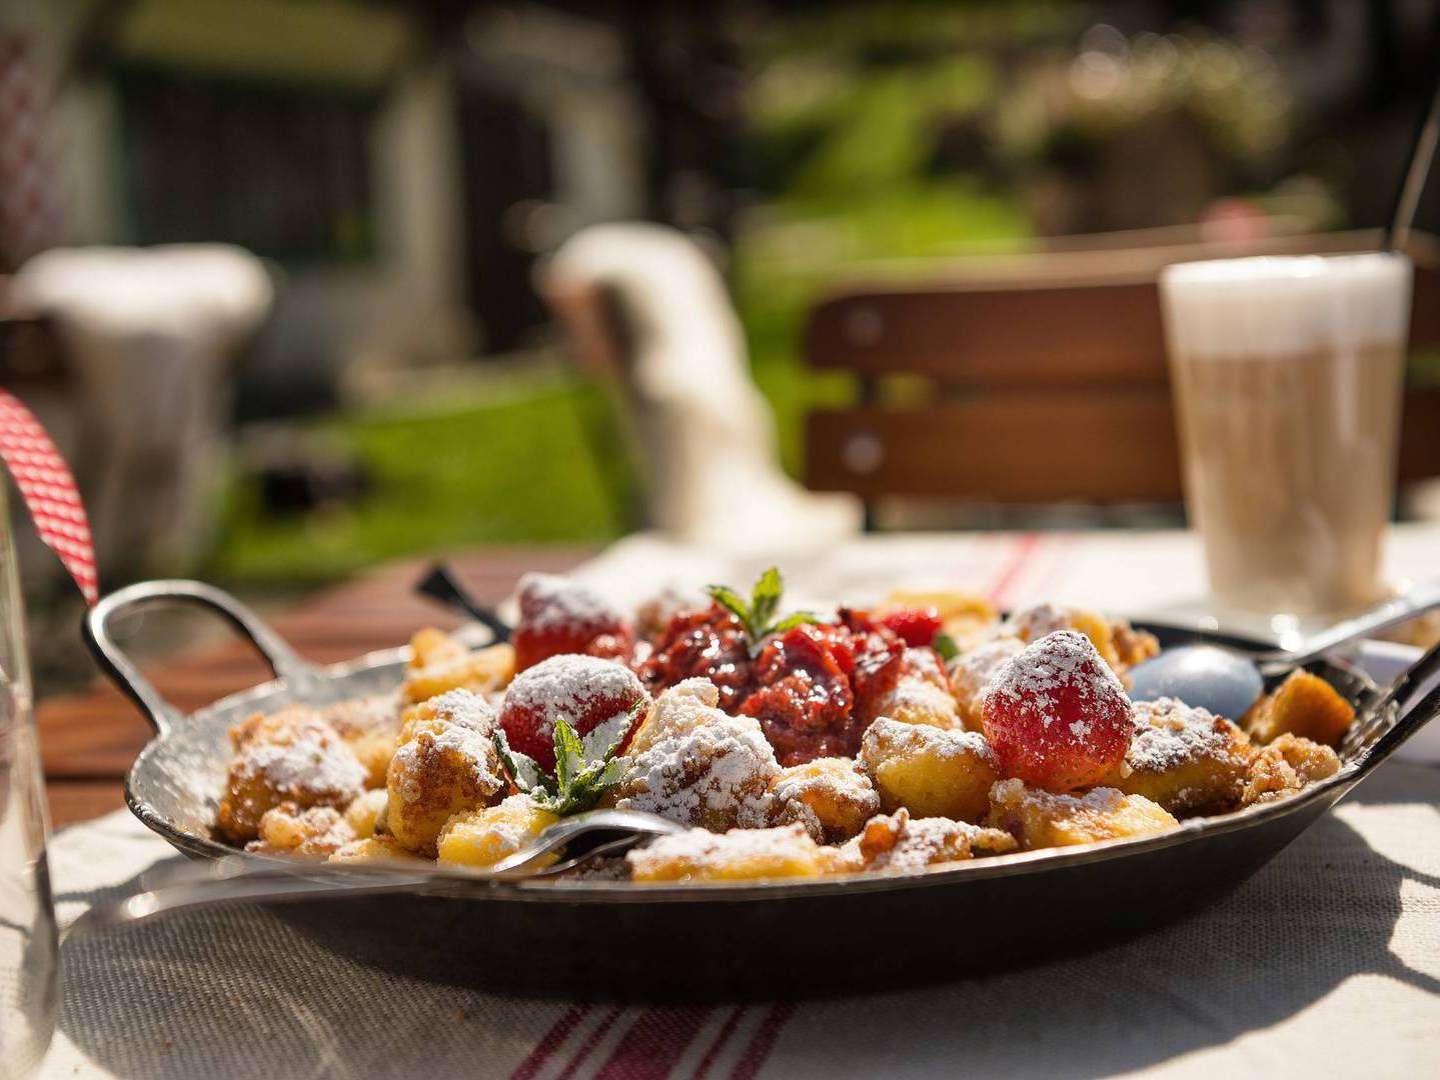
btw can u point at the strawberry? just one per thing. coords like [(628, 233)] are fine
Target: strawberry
[(917, 627), (711, 644), (1056, 715), (561, 616), (879, 663), (585, 691), (583, 770)]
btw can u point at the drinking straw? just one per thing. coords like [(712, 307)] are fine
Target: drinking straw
[(1422, 154), (49, 491)]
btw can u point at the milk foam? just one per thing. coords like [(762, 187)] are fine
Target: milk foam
[(1284, 306)]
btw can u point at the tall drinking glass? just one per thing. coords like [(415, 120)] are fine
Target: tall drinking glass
[(28, 960), (1288, 375)]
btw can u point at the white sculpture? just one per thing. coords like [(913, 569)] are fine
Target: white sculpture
[(707, 433), (151, 332)]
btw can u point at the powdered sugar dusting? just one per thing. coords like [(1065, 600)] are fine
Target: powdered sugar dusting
[(466, 710), (313, 833), (899, 844), (456, 729), (568, 685), (700, 766), (701, 853), (1038, 621), (833, 779), (1064, 659), (548, 600), (971, 672), (1100, 800), (888, 738), (1169, 733), (298, 754)]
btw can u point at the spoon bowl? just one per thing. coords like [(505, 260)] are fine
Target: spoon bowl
[(1225, 681), (1228, 681)]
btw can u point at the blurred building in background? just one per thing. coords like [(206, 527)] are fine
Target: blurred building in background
[(400, 165), (403, 164)]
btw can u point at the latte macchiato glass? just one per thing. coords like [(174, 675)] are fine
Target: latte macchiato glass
[(1288, 376)]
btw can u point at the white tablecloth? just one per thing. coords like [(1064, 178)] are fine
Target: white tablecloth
[(1326, 963)]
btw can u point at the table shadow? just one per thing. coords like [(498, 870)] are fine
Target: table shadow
[(135, 1001)]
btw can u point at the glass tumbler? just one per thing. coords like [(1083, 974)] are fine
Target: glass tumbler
[(1288, 376), (28, 940)]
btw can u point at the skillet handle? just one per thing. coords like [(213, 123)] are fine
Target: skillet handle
[(305, 681), (1412, 714)]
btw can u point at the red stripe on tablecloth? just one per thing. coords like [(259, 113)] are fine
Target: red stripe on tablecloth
[(726, 1030), (1023, 550), (763, 1041), (654, 1043), (659, 1037), (592, 1040), (550, 1042), (1061, 549)]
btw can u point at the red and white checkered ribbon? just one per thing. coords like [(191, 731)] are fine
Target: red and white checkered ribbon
[(49, 492)]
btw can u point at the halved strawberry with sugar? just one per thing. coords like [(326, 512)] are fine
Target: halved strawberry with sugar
[(558, 616), (586, 690), (1056, 715)]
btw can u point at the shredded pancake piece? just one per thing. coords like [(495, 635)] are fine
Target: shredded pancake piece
[(696, 765), (288, 756)]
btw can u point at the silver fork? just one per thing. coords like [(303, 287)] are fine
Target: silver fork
[(240, 879)]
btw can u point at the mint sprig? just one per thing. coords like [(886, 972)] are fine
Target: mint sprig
[(758, 614), (584, 768), (946, 646)]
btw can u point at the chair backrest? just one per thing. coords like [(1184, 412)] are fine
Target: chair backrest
[(1046, 378), (32, 356)]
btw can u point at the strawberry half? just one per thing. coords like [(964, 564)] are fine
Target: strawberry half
[(1056, 715), (560, 616), (585, 690)]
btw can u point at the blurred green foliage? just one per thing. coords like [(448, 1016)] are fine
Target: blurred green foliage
[(848, 111), (468, 473)]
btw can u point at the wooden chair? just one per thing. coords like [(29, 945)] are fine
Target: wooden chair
[(1045, 379), (32, 357)]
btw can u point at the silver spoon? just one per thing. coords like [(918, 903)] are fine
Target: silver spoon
[(1228, 681), (242, 879)]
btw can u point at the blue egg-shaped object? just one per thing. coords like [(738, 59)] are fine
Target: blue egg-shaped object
[(1224, 681)]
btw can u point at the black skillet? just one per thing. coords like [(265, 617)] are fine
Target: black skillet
[(584, 939)]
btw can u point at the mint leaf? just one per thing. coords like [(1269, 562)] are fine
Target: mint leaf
[(758, 616), (569, 753), (584, 768), (945, 645), (794, 619), (523, 769), (765, 599), (611, 774), (729, 598)]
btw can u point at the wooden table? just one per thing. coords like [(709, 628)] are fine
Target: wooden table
[(89, 740)]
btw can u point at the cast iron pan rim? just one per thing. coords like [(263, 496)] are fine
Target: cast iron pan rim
[(588, 892)]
